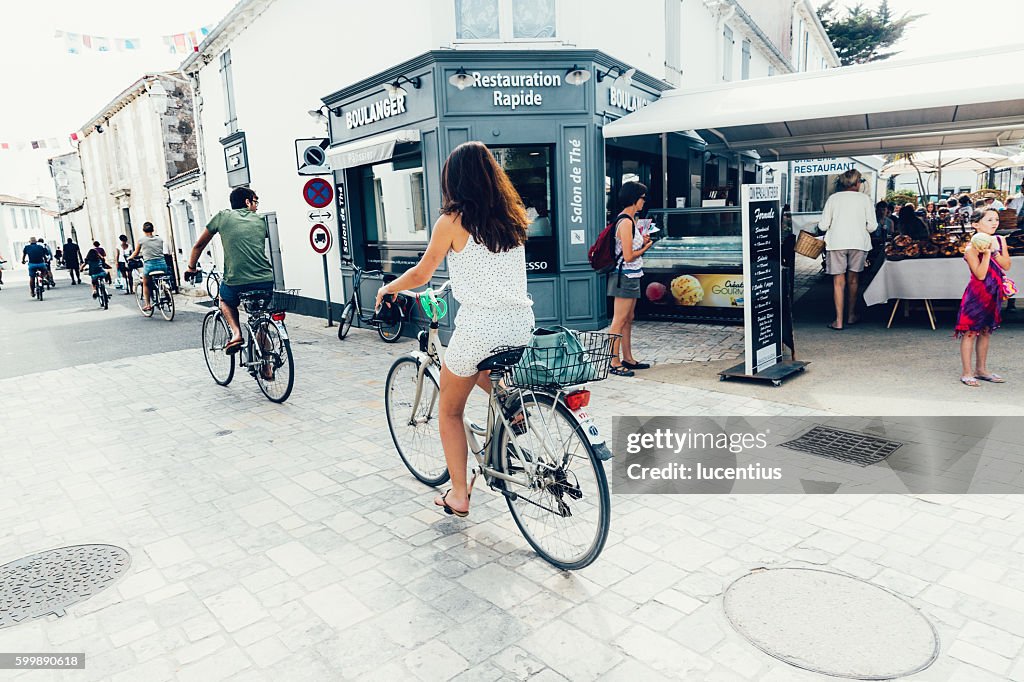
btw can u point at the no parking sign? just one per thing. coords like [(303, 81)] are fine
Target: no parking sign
[(318, 193)]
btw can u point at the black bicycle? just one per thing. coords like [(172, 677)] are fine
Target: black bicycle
[(266, 350), (388, 322), (102, 295)]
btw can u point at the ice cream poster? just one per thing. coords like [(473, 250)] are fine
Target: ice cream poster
[(697, 290)]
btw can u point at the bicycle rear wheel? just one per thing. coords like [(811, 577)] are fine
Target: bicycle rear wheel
[(389, 333), (39, 288), (215, 336), (140, 298), (166, 301), (566, 517), (416, 436), (103, 295), (272, 362), (348, 314)]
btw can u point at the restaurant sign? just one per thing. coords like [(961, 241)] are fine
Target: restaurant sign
[(762, 276), (822, 167), (502, 90)]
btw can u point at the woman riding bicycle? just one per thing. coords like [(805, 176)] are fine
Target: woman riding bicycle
[(482, 231), (151, 249), (97, 266)]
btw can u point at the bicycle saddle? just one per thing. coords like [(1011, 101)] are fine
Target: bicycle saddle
[(502, 359)]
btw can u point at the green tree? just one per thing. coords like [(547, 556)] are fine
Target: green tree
[(862, 35)]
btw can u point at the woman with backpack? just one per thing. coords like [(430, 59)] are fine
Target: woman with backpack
[(624, 280)]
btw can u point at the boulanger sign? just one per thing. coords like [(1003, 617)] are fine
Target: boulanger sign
[(375, 111), (625, 100)]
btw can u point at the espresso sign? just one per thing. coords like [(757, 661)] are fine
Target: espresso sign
[(762, 276)]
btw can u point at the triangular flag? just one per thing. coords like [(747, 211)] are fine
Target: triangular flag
[(4, 145), (73, 42), (179, 42), (35, 144), (73, 137), (194, 40), (132, 44), (87, 41), (102, 44)]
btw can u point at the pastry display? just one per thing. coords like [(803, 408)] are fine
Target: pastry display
[(912, 251), (687, 290), (929, 249), (902, 240)]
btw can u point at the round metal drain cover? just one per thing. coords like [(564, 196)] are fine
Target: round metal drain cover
[(832, 624), (50, 581)]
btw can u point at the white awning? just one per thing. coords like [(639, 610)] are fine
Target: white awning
[(370, 149), (972, 99)]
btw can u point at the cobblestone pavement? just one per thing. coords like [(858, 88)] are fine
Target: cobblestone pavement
[(289, 543)]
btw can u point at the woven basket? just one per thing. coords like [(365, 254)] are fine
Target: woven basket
[(809, 246)]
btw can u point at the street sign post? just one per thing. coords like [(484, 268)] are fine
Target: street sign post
[(321, 241)]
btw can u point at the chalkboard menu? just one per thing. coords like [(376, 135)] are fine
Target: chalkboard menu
[(762, 276)]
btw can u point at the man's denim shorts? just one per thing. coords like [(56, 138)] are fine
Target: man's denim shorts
[(229, 294)]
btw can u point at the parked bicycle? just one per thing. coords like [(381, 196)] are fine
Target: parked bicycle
[(266, 349), (388, 322), (539, 448), (161, 295), (213, 280)]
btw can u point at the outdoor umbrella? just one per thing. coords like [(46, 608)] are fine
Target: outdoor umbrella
[(947, 159)]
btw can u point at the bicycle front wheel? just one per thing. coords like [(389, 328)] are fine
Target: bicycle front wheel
[(166, 301), (272, 362), (215, 336), (566, 514), (140, 298), (415, 434), (213, 285)]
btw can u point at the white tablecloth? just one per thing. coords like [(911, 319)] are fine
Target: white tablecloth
[(932, 278)]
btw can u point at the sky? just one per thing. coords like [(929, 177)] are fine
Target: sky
[(48, 93)]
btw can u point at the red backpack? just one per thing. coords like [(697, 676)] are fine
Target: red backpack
[(602, 253)]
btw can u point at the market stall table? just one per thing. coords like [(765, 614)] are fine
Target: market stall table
[(924, 279)]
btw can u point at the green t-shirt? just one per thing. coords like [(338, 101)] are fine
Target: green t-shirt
[(243, 234)]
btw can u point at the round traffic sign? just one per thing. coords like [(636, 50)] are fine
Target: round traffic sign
[(318, 193), (320, 238)]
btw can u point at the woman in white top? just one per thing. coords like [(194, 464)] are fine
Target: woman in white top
[(124, 253), (482, 231), (848, 220)]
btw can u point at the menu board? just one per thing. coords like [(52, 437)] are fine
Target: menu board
[(762, 276)]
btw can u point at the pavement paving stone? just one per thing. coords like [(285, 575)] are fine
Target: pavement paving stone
[(297, 546)]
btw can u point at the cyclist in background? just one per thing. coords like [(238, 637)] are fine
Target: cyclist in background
[(243, 234), (49, 261), (35, 255), (482, 232), (97, 265), (151, 249)]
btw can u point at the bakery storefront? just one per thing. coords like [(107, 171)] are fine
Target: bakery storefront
[(541, 114)]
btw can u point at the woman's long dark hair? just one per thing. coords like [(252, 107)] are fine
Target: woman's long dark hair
[(475, 187)]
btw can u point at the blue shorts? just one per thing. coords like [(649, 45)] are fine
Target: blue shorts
[(33, 268), (229, 294), (154, 265), (98, 276)]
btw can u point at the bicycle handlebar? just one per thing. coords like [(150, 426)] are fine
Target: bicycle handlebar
[(433, 306)]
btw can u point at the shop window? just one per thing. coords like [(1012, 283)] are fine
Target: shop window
[(530, 170), (505, 19), (394, 203)]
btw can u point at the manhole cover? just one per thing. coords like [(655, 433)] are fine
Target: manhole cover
[(845, 446), (50, 581), (831, 624)]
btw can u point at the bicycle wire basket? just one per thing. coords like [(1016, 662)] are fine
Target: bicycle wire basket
[(583, 358), (277, 301)]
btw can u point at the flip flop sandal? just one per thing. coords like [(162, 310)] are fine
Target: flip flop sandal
[(970, 381), (636, 365), (233, 347), (449, 510), (621, 371), (833, 327), (991, 378)]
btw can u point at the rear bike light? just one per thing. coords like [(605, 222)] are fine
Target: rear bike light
[(577, 400), (277, 317)]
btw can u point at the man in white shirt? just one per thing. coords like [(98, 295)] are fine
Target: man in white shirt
[(848, 220)]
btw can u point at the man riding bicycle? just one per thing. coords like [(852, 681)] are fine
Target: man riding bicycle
[(243, 234), (35, 254), (151, 249)]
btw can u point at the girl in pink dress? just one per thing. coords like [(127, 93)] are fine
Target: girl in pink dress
[(981, 307)]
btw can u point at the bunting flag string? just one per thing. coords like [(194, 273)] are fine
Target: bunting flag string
[(175, 43), (50, 143)]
